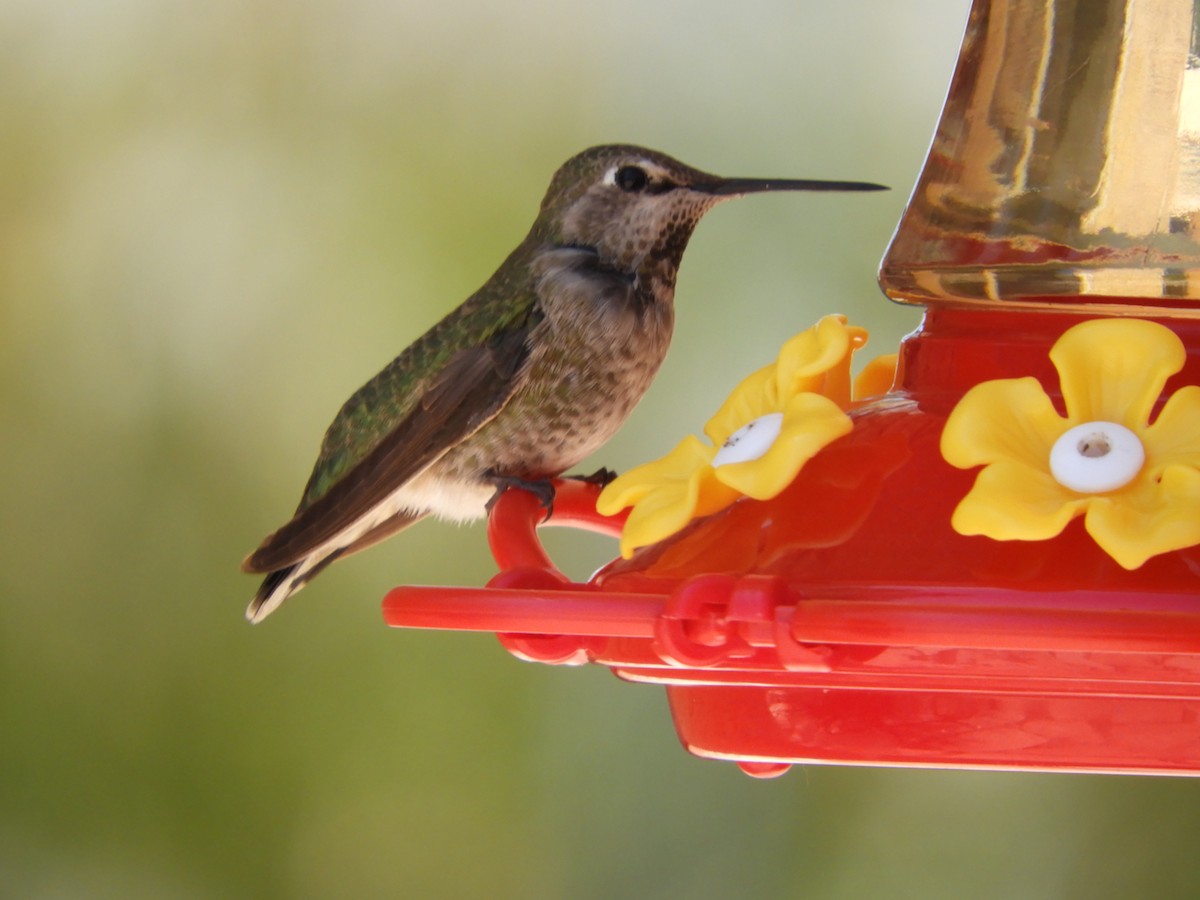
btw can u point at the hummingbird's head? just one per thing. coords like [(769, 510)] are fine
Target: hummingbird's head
[(637, 208), (633, 206)]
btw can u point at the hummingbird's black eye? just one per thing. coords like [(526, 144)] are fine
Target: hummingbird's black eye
[(631, 178)]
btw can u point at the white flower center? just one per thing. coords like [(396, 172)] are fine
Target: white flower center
[(750, 441), (1096, 457)]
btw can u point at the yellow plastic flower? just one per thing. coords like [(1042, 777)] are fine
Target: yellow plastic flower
[(1137, 484), (772, 424), (876, 378)]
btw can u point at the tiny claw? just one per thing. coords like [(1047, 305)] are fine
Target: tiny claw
[(542, 489), (487, 507), (602, 477)]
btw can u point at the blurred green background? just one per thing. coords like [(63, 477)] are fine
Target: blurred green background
[(216, 220)]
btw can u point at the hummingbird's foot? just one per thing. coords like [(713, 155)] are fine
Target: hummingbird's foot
[(601, 477), (541, 488)]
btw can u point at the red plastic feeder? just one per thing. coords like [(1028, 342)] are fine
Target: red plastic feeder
[(846, 620)]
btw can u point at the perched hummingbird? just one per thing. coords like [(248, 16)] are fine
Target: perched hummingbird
[(537, 369)]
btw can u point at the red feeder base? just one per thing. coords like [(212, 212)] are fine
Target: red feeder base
[(844, 622)]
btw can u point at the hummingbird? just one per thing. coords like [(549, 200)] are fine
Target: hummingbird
[(531, 374)]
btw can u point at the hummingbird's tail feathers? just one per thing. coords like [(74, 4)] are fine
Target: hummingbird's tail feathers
[(280, 585), (275, 588)]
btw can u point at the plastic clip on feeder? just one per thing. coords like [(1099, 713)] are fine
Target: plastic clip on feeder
[(995, 562)]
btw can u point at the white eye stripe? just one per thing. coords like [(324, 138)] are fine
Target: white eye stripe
[(653, 173)]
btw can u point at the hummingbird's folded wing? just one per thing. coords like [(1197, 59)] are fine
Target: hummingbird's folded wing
[(473, 386)]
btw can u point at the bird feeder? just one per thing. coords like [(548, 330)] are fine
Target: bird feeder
[(992, 562)]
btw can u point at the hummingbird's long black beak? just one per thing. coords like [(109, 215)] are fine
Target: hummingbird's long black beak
[(731, 187)]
